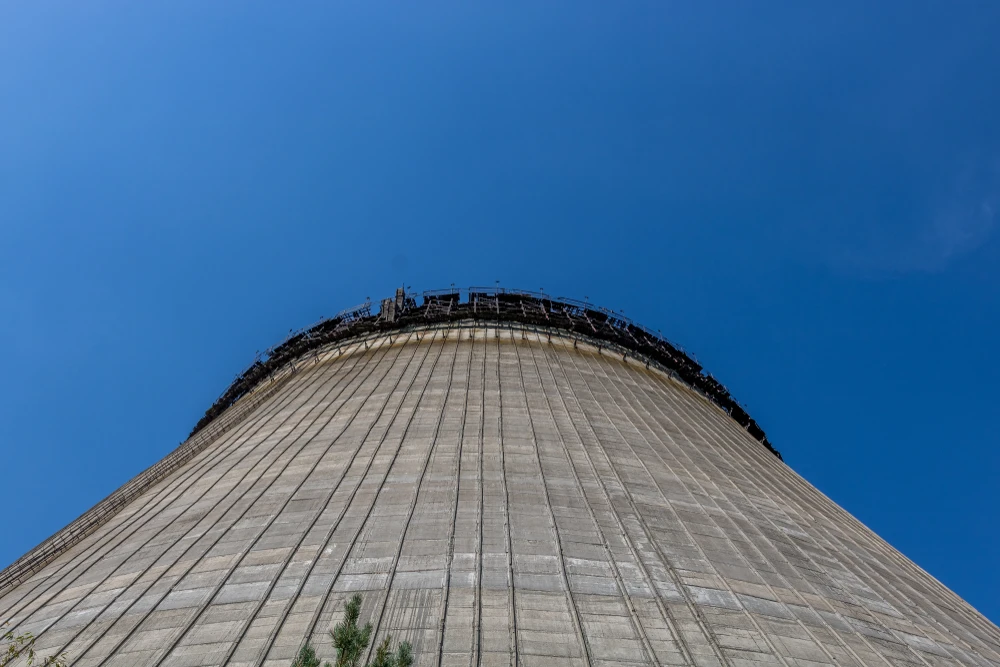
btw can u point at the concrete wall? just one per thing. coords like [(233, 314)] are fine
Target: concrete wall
[(499, 499)]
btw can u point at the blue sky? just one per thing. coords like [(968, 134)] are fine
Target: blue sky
[(805, 195)]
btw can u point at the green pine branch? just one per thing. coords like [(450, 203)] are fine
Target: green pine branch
[(351, 642)]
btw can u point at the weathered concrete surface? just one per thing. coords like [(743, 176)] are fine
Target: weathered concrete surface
[(499, 499)]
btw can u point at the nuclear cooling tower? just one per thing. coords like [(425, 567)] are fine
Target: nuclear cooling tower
[(508, 479)]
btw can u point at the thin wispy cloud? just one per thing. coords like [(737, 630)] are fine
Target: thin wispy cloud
[(957, 227)]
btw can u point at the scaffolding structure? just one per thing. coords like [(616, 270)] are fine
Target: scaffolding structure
[(491, 304)]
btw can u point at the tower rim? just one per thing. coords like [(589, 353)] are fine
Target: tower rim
[(488, 305), (475, 307)]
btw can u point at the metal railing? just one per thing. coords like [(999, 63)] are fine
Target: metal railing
[(499, 304)]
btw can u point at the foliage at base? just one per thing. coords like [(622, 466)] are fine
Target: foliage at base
[(351, 642), (13, 646)]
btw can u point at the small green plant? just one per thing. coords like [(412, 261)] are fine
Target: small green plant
[(307, 657), (13, 646), (384, 657), (351, 642)]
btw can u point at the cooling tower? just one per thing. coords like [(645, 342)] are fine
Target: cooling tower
[(508, 479)]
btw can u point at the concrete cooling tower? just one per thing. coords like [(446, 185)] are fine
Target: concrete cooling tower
[(508, 479)]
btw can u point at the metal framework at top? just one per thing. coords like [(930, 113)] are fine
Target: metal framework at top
[(489, 304)]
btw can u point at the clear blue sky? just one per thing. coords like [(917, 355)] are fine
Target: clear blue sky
[(803, 194)]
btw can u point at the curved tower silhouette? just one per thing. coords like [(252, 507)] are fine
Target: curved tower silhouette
[(508, 479)]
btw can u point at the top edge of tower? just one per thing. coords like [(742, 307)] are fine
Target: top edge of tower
[(580, 320), (403, 312)]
